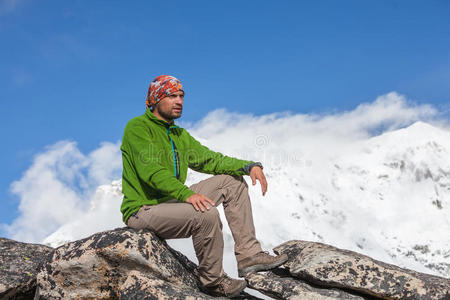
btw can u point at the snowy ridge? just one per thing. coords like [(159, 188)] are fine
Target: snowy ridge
[(389, 198), (386, 196)]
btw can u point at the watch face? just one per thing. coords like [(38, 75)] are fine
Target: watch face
[(257, 164)]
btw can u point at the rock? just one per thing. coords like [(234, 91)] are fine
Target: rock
[(135, 264), (328, 266), (283, 287), (19, 264), (140, 286), (122, 263)]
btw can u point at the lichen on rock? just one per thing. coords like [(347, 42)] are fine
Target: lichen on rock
[(329, 266), (19, 263)]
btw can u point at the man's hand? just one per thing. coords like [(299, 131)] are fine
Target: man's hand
[(256, 173), (200, 202)]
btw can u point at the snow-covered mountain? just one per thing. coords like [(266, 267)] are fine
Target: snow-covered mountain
[(386, 196)]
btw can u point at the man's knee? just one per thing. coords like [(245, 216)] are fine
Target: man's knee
[(209, 217)]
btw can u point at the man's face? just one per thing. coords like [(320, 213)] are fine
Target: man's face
[(170, 107)]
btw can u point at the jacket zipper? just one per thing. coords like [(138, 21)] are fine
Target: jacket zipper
[(176, 159)]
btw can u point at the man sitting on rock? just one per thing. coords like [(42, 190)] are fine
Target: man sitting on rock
[(156, 154)]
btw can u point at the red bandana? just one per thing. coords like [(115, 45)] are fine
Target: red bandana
[(161, 87)]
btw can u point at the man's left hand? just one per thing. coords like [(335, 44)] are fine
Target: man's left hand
[(256, 173)]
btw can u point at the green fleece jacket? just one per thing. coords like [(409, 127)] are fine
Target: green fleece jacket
[(156, 156)]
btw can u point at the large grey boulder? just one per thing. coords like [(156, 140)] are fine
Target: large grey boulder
[(19, 264), (124, 263), (120, 264), (329, 266)]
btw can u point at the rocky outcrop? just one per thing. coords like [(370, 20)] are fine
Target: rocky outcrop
[(123, 263), (135, 264), (19, 264), (328, 266)]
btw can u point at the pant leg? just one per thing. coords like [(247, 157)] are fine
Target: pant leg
[(180, 220), (232, 191)]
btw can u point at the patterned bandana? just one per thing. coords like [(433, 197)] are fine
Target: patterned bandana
[(161, 87)]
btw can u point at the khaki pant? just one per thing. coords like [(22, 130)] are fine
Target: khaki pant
[(173, 219)]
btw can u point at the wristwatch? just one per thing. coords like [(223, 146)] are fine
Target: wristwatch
[(250, 166)]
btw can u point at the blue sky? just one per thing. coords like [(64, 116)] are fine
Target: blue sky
[(79, 70)]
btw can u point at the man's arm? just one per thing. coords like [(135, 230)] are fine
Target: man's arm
[(204, 160)]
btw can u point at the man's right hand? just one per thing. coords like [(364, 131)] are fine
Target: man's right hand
[(200, 202)]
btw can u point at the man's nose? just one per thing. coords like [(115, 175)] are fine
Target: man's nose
[(179, 99)]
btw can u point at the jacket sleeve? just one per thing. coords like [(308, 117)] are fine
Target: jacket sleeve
[(147, 158), (204, 160)]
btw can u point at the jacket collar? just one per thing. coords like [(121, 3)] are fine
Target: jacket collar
[(151, 116)]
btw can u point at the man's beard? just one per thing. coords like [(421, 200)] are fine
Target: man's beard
[(169, 115)]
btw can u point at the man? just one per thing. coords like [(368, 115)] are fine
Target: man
[(156, 155)]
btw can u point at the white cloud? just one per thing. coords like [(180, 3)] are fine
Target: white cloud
[(58, 186), (105, 162), (294, 137)]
